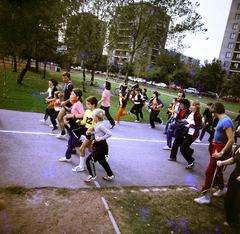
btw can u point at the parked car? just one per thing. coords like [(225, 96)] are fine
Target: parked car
[(173, 86), (209, 94), (231, 98), (191, 90), (161, 85)]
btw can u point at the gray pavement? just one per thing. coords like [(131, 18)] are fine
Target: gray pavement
[(29, 155)]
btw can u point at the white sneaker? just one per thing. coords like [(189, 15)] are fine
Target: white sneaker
[(161, 122), (198, 141), (43, 121), (109, 177), (220, 192), (166, 148), (202, 200), (59, 136), (64, 159), (78, 169), (107, 157), (137, 121), (90, 178)]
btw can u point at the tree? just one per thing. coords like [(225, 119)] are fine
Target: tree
[(31, 26), (145, 21)]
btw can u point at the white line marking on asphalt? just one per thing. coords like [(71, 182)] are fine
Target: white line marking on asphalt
[(112, 138), (110, 216), (97, 184)]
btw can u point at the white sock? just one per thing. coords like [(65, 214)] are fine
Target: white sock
[(82, 162)]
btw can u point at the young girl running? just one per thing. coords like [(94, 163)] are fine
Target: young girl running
[(57, 108), (122, 106), (91, 103), (100, 147), (77, 112), (137, 104)]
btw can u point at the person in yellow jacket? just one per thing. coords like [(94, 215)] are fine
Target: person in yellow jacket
[(91, 104)]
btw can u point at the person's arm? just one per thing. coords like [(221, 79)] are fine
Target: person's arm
[(228, 146), (64, 103), (105, 136), (229, 161)]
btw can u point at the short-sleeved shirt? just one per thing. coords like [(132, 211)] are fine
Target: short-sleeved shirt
[(220, 136), (67, 92), (106, 93), (236, 158), (77, 108)]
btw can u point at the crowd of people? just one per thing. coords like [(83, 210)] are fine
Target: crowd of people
[(184, 124)]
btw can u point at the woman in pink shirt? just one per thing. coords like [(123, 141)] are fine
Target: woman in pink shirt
[(105, 102)]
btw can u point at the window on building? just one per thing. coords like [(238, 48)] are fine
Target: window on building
[(237, 55), (226, 64), (233, 35), (235, 26), (237, 16), (236, 65), (230, 45), (228, 55), (238, 6)]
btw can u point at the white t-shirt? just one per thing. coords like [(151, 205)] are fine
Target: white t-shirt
[(190, 120)]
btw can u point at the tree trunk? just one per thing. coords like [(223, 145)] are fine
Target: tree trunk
[(15, 64), (92, 73), (36, 62), (44, 69), (24, 71), (5, 78), (84, 78)]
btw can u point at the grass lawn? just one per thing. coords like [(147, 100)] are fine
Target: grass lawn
[(26, 97)]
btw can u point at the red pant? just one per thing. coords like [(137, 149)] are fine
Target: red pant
[(120, 113)]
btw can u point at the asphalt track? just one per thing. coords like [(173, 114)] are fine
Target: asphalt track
[(29, 155)]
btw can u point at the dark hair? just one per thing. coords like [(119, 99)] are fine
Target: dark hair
[(156, 93), (66, 74), (123, 93), (107, 85), (78, 93), (145, 90), (93, 100), (185, 102), (183, 94), (218, 107), (175, 99), (139, 90), (209, 103), (54, 81)]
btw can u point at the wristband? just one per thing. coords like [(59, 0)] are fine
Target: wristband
[(74, 116)]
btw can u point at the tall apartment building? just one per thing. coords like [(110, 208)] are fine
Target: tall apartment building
[(151, 50), (230, 50)]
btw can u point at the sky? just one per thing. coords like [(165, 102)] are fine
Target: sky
[(207, 46)]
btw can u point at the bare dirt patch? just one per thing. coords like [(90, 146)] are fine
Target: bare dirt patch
[(54, 211)]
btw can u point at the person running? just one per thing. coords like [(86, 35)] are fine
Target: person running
[(57, 108), (91, 103), (219, 148), (77, 112), (122, 106), (170, 117), (208, 122), (105, 103), (52, 83), (138, 100), (100, 147), (231, 202), (66, 104), (155, 104)]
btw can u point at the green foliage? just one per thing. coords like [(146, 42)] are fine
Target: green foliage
[(18, 190)]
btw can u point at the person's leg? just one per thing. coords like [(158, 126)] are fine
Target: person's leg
[(53, 119), (133, 109), (120, 113), (186, 150), (156, 119), (107, 114), (151, 118), (84, 145), (169, 137), (177, 142), (231, 199), (204, 129), (60, 116), (167, 124), (140, 112), (137, 111)]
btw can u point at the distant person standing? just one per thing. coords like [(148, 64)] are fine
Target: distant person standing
[(105, 102), (65, 104), (219, 149)]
